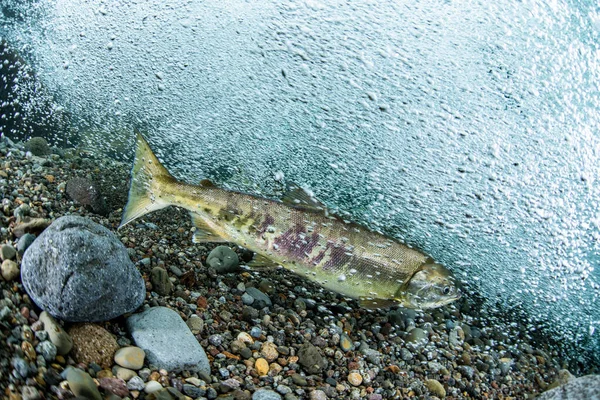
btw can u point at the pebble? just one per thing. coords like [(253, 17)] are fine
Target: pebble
[(30, 393), (193, 391), (93, 344), (245, 338), (247, 299), (7, 252), (9, 270), (262, 366), (161, 283), (195, 323), (152, 386), (435, 387), (299, 380), (47, 349), (269, 351), (261, 300), (24, 242), (255, 332), (116, 386), (265, 394), (130, 357), (136, 383), (317, 395), (417, 337), (405, 354), (355, 379), (310, 358), (82, 384), (456, 337), (223, 260), (346, 343), (57, 334)]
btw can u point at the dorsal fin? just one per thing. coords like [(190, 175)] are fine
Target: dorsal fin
[(301, 198), (207, 183), (203, 232)]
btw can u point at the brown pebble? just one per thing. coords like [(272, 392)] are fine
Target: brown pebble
[(355, 378), (262, 367), (92, 343)]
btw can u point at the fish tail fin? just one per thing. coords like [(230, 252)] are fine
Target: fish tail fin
[(147, 175)]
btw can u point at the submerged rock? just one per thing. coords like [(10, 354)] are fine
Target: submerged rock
[(80, 271), (223, 260), (167, 340), (38, 146), (88, 193)]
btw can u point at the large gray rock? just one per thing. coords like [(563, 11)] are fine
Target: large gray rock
[(167, 340), (587, 387), (78, 270)]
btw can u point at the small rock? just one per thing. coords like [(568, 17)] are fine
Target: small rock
[(38, 146), (123, 373), (456, 337), (116, 386), (88, 193), (47, 349), (82, 384), (136, 383), (435, 387), (269, 351), (262, 367), (193, 391), (195, 323), (265, 394), (261, 300), (247, 299), (346, 343), (167, 340), (245, 338), (152, 386), (92, 343), (57, 334), (130, 357), (355, 379), (7, 252), (161, 283), (299, 380), (223, 260), (317, 395), (9, 270), (310, 358), (24, 242), (417, 337), (405, 354), (30, 393)]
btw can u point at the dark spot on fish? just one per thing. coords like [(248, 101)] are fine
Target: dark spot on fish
[(337, 257), (268, 221)]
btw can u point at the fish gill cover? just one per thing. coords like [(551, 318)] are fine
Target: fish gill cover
[(470, 130)]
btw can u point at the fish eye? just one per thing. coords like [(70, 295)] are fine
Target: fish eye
[(446, 290)]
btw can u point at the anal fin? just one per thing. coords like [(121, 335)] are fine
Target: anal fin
[(203, 232)]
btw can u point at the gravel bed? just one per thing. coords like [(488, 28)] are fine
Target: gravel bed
[(304, 342)]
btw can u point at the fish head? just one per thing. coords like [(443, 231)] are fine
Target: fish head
[(431, 286)]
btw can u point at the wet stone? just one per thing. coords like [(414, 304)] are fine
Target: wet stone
[(310, 358), (223, 260), (82, 384), (9, 270), (261, 300), (7, 252), (435, 387), (265, 394), (57, 334), (161, 283), (130, 357), (24, 242)]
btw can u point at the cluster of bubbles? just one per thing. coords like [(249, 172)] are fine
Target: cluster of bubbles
[(467, 130)]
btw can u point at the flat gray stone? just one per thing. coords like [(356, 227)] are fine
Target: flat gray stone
[(167, 340), (586, 387), (77, 270)]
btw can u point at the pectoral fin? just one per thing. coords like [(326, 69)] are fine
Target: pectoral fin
[(262, 262), (203, 232)]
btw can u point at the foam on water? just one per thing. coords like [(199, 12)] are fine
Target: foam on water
[(467, 129)]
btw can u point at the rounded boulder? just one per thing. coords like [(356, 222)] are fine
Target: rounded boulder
[(77, 270)]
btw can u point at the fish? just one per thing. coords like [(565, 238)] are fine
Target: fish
[(296, 233)]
